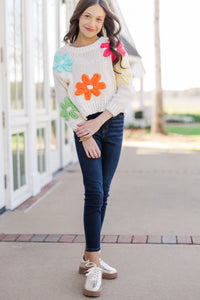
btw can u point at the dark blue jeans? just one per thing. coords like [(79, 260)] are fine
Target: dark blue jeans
[(97, 176)]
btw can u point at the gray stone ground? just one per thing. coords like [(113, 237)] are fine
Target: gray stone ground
[(154, 192)]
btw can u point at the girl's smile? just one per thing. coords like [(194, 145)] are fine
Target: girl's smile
[(89, 29), (91, 20)]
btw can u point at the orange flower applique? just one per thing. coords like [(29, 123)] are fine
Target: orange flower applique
[(89, 86)]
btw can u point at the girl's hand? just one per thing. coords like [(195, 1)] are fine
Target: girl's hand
[(91, 148), (88, 128)]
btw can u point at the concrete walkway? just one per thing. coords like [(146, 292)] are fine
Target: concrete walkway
[(154, 194)]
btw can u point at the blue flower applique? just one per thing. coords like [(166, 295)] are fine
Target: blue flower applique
[(62, 63)]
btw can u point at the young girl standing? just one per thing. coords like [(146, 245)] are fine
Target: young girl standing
[(93, 88)]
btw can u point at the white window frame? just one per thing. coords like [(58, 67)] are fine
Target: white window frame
[(25, 188)]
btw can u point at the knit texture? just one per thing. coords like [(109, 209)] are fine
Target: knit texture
[(85, 82)]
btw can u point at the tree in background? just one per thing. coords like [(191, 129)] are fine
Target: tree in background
[(158, 124)]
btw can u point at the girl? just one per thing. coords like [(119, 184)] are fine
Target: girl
[(93, 88)]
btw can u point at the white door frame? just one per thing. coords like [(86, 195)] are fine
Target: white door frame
[(4, 172)]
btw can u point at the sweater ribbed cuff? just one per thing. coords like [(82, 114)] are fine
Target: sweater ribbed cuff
[(114, 109)]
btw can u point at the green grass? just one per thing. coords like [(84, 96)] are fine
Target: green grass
[(183, 130)]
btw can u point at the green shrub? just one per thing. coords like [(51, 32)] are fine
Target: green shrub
[(139, 114), (196, 117)]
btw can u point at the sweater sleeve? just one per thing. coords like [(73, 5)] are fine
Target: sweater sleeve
[(125, 93), (62, 78)]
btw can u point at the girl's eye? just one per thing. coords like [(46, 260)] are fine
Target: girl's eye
[(87, 16)]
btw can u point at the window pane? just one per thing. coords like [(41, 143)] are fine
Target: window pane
[(41, 150), (66, 134), (10, 6), (22, 159), (18, 23), (18, 157), (15, 53), (53, 135), (19, 79), (14, 157), (38, 149)]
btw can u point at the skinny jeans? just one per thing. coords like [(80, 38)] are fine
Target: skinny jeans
[(97, 176)]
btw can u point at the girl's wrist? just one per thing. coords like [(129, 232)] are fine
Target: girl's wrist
[(103, 117), (84, 139)]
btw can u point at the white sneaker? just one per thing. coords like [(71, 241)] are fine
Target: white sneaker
[(93, 282), (108, 272)]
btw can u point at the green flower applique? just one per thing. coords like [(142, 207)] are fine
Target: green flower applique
[(68, 109)]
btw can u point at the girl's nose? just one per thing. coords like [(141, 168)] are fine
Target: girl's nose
[(92, 23)]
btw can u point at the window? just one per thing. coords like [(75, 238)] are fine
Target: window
[(18, 157), (15, 53), (53, 135), (41, 150), (39, 56)]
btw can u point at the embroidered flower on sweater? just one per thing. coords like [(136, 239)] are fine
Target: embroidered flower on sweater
[(124, 75), (89, 86), (120, 49), (108, 52), (68, 109), (62, 63)]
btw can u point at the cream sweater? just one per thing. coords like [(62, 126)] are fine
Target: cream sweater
[(85, 82)]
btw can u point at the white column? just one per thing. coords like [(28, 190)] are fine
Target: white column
[(47, 89), (30, 96), (7, 109)]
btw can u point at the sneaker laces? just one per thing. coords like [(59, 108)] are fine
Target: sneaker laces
[(93, 270)]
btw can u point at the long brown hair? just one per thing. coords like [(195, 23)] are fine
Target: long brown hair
[(112, 31)]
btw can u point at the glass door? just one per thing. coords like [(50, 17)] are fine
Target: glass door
[(17, 169)]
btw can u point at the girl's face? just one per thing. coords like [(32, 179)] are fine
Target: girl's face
[(91, 21)]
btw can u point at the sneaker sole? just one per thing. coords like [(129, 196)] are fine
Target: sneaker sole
[(104, 275), (92, 293)]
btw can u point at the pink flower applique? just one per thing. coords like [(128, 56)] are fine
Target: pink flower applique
[(120, 49), (108, 52)]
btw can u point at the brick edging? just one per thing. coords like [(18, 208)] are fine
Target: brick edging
[(114, 239)]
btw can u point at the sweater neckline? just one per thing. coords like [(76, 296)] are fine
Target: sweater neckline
[(85, 48)]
